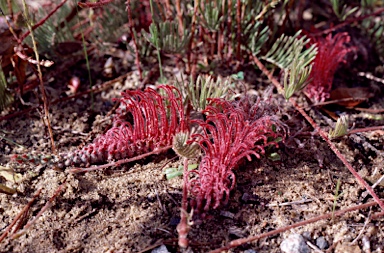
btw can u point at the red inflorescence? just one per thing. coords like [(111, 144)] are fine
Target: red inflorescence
[(234, 131), (331, 52), (156, 119)]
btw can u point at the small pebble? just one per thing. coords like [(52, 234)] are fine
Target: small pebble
[(295, 243), (322, 243), (161, 249), (366, 244), (174, 221), (250, 251), (307, 235)]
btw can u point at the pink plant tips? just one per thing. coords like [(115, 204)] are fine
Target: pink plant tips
[(331, 52), (238, 130), (155, 119)]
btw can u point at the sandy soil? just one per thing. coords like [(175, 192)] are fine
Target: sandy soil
[(133, 208)]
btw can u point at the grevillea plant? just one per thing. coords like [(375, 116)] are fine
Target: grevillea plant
[(331, 52), (231, 131), (156, 118)]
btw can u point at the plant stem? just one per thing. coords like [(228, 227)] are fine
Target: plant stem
[(40, 74), (239, 242), (23, 211), (120, 162), (238, 35), (133, 35), (157, 43), (324, 135), (184, 226)]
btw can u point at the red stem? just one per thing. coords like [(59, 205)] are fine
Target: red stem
[(324, 135), (242, 241), (238, 35), (352, 20), (46, 206), (365, 129), (120, 162), (19, 215), (130, 23), (180, 18), (183, 227)]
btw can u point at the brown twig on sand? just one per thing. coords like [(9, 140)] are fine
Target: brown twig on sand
[(323, 134), (47, 205), (23, 211), (242, 241)]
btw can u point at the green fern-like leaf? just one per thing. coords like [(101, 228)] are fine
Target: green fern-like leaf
[(374, 28), (49, 35), (165, 36), (210, 17), (197, 93), (282, 52), (258, 37), (296, 75)]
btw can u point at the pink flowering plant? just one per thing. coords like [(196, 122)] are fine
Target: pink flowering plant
[(231, 132), (331, 53), (155, 120)]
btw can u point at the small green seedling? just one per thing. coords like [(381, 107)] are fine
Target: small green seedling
[(336, 196), (176, 172)]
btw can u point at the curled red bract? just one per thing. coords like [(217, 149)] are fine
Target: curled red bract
[(331, 53)]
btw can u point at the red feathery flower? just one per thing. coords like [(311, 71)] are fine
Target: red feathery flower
[(238, 130), (331, 52), (156, 119)]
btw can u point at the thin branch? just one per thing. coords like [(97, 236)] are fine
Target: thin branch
[(131, 30), (94, 5), (40, 74), (47, 205), (180, 18), (242, 241), (324, 135), (378, 12), (238, 34), (23, 211), (120, 162), (365, 129)]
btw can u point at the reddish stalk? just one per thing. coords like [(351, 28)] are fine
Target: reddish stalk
[(180, 18), (185, 224), (365, 129), (242, 241), (350, 21), (324, 135), (23, 211), (130, 23), (193, 27), (10, 9), (94, 5), (47, 205), (40, 75), (238, 35), (120, 162), (229, 43), (168, 12)]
